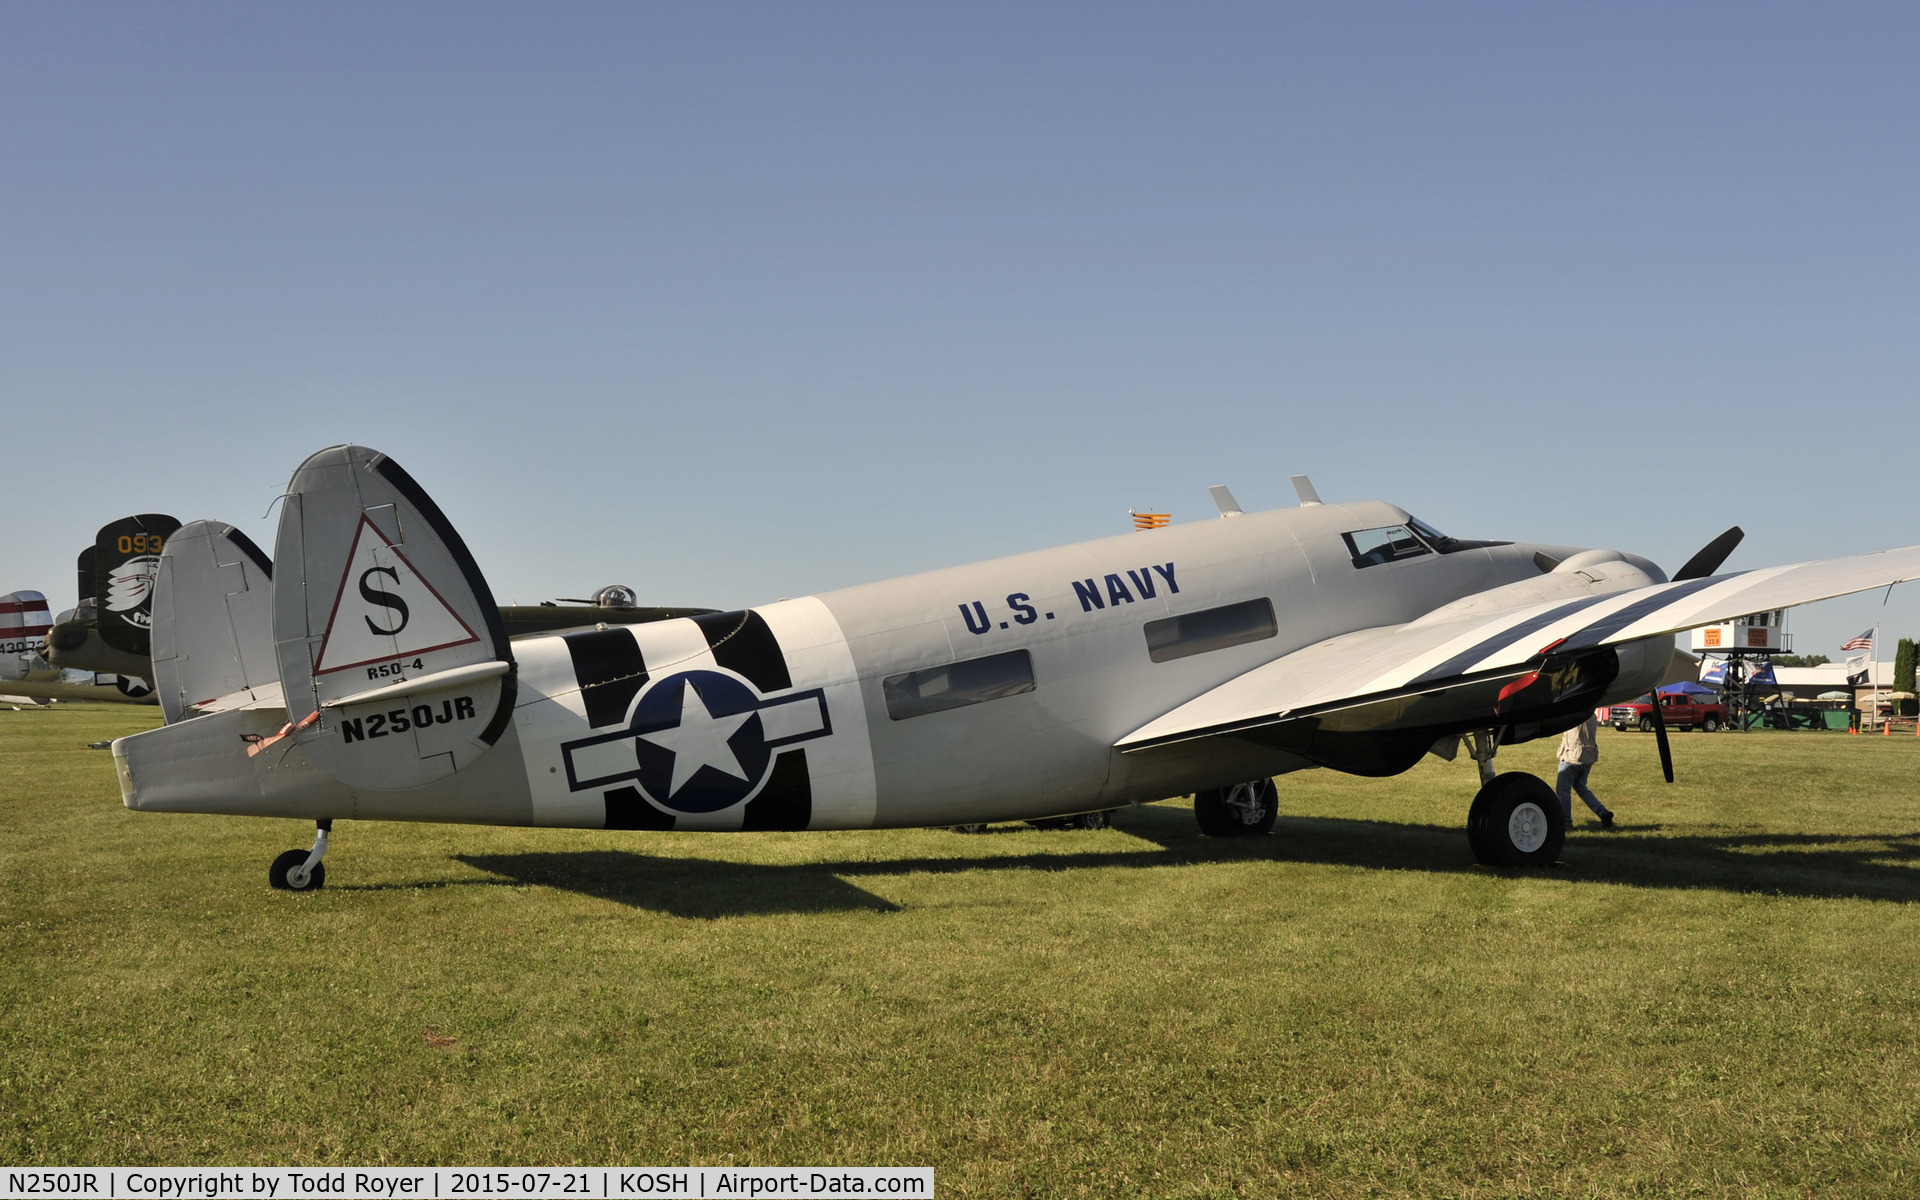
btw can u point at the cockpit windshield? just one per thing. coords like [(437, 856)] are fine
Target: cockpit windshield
[(1392, 543), (1428, 534), (1389, 543)]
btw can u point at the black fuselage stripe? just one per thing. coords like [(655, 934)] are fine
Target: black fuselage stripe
[(743, 642), (608, 666), (1613, 623), (1506, 637)]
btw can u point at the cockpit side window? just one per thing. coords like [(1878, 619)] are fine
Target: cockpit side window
[(1389, 543)]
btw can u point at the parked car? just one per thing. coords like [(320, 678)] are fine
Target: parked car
[(1681, 711)]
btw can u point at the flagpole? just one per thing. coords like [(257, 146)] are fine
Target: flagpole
[(1873, 654)]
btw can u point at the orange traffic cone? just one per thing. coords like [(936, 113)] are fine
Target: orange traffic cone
[(1886, 727), (1854, 730)]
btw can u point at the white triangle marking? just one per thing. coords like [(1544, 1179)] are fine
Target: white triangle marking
[(410, 618)]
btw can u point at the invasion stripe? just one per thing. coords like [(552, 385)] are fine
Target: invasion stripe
[(608, 666), (1709, 603), (1601, 630), (1506, 637)]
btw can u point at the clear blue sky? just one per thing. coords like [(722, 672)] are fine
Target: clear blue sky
[(737, 302)]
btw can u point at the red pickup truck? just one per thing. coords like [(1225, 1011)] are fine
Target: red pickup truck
[(1680, 710)]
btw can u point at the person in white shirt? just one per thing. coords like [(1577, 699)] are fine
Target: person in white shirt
[(1579, 750)]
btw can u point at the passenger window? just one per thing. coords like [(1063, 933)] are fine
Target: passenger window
[(956, 685), (1210, 629), (1371, 547)]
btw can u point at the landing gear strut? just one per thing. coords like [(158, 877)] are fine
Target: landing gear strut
[(1515, 820), (1243, 810), (302, 870)]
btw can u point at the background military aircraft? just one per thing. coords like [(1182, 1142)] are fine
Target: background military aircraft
[(109, 631), (25, 618), (371, 675)]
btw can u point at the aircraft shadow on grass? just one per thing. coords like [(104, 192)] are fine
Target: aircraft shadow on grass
[(701, 888), (1880, 867)]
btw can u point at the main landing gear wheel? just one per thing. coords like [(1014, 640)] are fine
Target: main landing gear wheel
[(1243, 810), (1515, 821), (302, 870)]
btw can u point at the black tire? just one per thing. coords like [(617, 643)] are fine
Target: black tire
[(1097, 820), (1710, 725), (1516, 821), (978, 828), (277, 873), (1646, 724), (1243, 810)]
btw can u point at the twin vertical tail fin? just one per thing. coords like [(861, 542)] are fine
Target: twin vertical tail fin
[(122, 572), (24, 619), (390, 650), (212, 621)]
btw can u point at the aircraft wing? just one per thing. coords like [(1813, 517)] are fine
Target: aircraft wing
[(1435, 654)]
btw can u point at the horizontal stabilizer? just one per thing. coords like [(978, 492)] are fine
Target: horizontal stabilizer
[(420, 685)]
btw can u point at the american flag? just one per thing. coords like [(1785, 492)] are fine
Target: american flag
[(1863, 642)]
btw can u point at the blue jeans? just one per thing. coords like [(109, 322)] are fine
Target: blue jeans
[(1573, 778)]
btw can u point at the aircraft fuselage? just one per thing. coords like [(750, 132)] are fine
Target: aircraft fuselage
[(992, 691)]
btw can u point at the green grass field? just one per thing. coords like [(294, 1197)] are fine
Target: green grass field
[(1721, 999)]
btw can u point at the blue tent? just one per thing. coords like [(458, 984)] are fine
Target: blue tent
[(1689, 687)]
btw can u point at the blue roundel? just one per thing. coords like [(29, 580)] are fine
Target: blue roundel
[(701, 744)]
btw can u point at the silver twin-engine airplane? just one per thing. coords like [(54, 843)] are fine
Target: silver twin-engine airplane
[(369, 675)]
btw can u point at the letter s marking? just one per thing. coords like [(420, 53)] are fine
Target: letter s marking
[(373, 595)]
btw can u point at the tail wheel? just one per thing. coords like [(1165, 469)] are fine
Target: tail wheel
[(1515, 821), (1243, 810), (282, 866)]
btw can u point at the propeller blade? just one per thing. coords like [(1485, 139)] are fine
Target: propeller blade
[(1660, 736), (1711, 556)]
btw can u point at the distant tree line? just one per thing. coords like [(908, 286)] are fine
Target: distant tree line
[(1800, 660)]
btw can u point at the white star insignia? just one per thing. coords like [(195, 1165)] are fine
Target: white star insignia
[(700, 740)]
